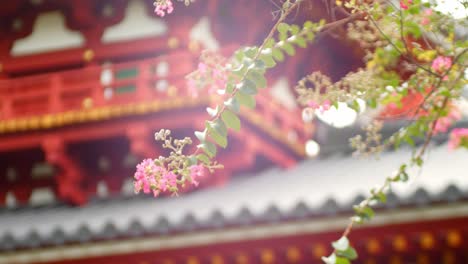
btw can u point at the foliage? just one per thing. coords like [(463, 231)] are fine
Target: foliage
[(411, 51)]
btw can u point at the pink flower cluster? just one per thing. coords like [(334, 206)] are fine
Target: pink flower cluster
[(155, 179), (426, 17), (441, 64), (404, 4), (458, 137), (211, 76), (152, 178), (163, 6), (196, 172), (442, 124), (321, 107)]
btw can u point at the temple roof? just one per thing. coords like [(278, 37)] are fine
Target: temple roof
[(314, 188)]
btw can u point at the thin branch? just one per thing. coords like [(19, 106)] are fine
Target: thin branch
[(399, 51)]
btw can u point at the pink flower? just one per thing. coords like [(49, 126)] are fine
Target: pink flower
[(163, 6), (458, 137), (196, 171), (442, 124), (428, 12), (211, 77), (219, 80), (425, 21), (146, 176), (202, 68), (325, 106), (404, 4), (192, 87), (313, 105), (170, 180), (441, 64), (156, 193)]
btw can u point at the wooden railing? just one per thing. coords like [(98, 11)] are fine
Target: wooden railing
[(102, 85), (124, 83)]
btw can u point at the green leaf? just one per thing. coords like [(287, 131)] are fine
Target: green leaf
[(239, 55), (209, 148), (250, 51), (294, 29), (364, 212), (412, 28), (357, 219), (203, 158), (330, 259), (350, 253), (340, 260), (300, 41), (201, 135), (230, 87), (247, 86), (355, 106), (221, 140), (283, 28), (308, 24), (288, 48), (367, 212), (220, 127), (404, 176), (418, 161), (212, 112), (239, 70), (372, 103), (192, 160), (278, 55), (341, 244), (258, 78), (382, 197), (245, 99), (259, 64), (232, 104), (231, 120), (269, 43), (409, 140), (268, 60), (310, 36)]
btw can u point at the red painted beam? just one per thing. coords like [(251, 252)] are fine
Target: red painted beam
[(309, 246)]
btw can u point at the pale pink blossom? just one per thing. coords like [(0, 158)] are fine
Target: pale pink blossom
[(196, 172), (202, 68), (428, 12), (147, 175), (425, 21), (404, 4), (192, 87), (170, 179), (457, 137), (312, 104), (144, 175), (156, 192), (161, 7), (209, 76), (441, 64), (442, 124), (325, 106)]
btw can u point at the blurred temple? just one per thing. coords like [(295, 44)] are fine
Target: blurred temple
[(84, 85)]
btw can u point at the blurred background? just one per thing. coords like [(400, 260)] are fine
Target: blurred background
[(85, 84)]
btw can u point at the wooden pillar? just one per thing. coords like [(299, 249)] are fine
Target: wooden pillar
[(140, 143), (69, 176)]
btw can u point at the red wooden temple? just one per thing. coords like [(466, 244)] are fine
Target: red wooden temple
[(84, 85)]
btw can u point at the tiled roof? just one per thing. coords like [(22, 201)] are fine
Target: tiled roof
[(315, 188)]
